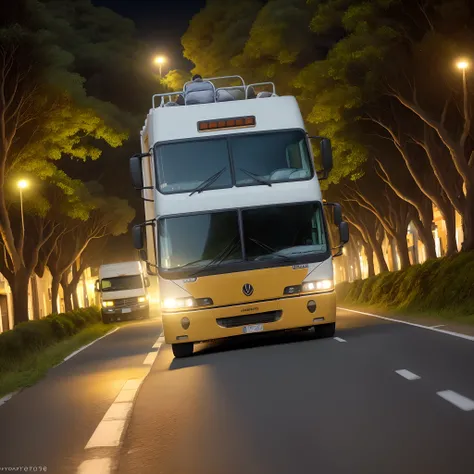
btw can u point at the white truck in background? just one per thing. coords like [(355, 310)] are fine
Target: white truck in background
[(123, 291)]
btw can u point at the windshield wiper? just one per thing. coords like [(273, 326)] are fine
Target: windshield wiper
[(256, 177), (221, 256), (206, 183), (268, 248)]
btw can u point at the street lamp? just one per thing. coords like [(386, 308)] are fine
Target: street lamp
[(160, 60), (463, 64), (22, 184)]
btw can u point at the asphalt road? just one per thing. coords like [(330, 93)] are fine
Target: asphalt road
[(49, 424), (279, 404)]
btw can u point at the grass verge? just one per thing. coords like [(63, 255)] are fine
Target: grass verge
[(441, 288), (27, 371)]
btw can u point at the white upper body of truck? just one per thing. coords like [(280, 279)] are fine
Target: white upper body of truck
[(122, 280)]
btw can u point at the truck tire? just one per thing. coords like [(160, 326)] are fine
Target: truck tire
[(146, 313), (182, 350), (325, 330)]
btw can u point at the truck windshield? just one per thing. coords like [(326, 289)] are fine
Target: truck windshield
[(283, 232), (195, 240), (128, 282), (255, 159)]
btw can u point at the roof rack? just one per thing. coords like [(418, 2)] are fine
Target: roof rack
[(206, 92)]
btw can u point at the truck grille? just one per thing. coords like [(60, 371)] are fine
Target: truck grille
[(258, 318), (125, 302)]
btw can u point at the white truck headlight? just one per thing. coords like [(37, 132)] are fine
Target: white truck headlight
[(318, 285)]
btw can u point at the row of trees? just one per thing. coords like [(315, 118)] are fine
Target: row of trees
[(62, 103), (379, 79)]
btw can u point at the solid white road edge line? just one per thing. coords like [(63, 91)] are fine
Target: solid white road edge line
[(7, 397), (407, 374), (442, 331), (339, 339), (88, 345), (460, 401), (96, 466)]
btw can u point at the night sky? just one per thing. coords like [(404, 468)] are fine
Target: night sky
[(160, 23)]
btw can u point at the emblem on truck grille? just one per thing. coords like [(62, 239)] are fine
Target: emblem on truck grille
[(247, 289)]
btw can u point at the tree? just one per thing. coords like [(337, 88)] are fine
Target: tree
[(42, 119), (218, 33), (107, 216)]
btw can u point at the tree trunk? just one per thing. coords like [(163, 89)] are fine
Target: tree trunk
[(356, 261), (19, 286), (402, 247), (426, 237), (369, 252), (55, 293), (377, 247), (67, 293), (449, 217), (468, 222)]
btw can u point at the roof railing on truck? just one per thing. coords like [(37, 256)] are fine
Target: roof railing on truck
[(204, 91)]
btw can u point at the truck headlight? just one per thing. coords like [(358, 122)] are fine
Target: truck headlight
[(142, 299), (175, 303), (188, 302), (319, 285), (107, 304)]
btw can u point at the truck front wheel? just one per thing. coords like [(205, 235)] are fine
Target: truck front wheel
[(182, 350)]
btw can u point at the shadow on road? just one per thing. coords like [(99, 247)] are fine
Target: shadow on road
[(202, 352)]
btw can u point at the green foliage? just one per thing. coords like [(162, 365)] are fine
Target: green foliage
[(218, 33), (32, 336), (434, 286)]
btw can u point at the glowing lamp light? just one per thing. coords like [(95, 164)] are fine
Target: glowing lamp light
[(22, 184), (462, 64)]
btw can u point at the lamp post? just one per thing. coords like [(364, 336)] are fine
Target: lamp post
[(160, 60), (463, 65), (22, 184)]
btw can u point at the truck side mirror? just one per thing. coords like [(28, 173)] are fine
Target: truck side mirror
[(97, 286), (344, 232), (137, 237), (336, 211), (143, 255), (326, 155), (147, 282), (136, 171)]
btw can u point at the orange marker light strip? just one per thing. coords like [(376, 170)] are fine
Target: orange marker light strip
[(220, 124)]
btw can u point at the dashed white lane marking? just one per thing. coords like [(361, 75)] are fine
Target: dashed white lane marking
[(150, 358), (132, 384), (88, 345), (96, 466), (407, 374), (118, 411), (460, 401), (110, 430), (442, 331), (159, 342), (338, 339), (107, 434)]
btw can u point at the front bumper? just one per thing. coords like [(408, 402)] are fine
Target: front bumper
[(125, 310), (292, 313)]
